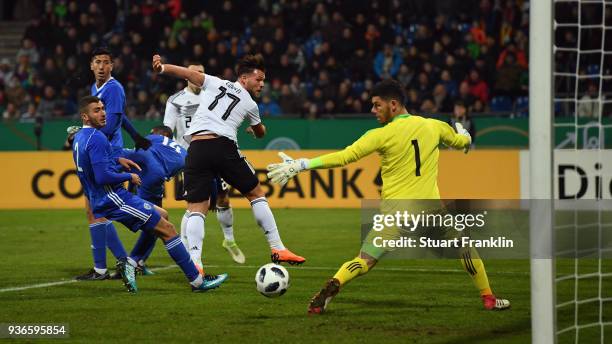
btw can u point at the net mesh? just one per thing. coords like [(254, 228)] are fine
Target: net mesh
[(582, 79)]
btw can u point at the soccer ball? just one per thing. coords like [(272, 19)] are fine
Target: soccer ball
[(272, 280)]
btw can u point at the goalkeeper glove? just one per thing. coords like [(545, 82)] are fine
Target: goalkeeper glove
[(73, 129), (462, 131), (141, 142), (281, 173)]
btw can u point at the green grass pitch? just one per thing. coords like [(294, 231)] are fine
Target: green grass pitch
[(427, 301)]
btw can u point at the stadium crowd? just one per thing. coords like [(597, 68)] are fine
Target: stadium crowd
[(322, 57)]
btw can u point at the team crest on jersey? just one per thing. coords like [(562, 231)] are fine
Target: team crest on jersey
[(147, 206)]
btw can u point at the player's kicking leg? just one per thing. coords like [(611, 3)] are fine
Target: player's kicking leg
[(265, 219), (225, 216), (347, 272), (165, 231)]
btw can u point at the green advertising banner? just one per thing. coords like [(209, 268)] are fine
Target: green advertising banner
[(491, 132)]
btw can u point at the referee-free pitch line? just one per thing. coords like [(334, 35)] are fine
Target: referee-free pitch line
[(330, 268)]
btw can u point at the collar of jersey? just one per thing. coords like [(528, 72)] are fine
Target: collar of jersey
[(406, 115), (86, 126), (104, 84)]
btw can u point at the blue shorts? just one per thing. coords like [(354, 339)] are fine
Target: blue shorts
[(130, 210)]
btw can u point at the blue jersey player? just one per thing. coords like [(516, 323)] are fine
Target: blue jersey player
[(100, 174), (110, 91), (162, 161)]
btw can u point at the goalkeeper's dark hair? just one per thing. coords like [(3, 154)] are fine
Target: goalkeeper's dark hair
[(162, 130), (85, 101), (102, 51), (249, 63), (388, 90)]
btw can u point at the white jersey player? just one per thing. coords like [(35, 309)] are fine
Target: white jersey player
[(213, 149), (180, 109)]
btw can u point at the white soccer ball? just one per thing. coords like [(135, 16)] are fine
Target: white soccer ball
[(272, 280)]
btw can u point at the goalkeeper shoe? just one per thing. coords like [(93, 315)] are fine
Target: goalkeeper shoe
[(493, 303), (286, 256), (209, 282), (128, 275), (234, 251), (319, 302), (92, 275)]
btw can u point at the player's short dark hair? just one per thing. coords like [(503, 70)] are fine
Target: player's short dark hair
[(162, 130), (249, 63), (102, 51), (85, 101), (389, 89)]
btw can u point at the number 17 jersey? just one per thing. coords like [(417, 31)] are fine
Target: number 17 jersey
[(224, 105)]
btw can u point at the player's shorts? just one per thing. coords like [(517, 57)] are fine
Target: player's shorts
[(219, 185), (131, 210), (207, 159)]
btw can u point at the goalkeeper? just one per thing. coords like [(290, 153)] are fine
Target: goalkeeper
[(408, 146)]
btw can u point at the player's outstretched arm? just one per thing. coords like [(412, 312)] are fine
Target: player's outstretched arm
[(281, 173), (139, 141), (193, 76)]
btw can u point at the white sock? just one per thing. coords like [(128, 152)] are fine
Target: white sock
[(197, 282), (132, 262), (265, 220), (100, 271), (184, 228), (226, 220), (195, 236)]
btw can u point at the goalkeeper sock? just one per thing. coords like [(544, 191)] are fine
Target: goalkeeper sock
[(350, 270), (226, 220), (184, 228), (265, 220), (113, 242), (471, 262), (195, 236), (98, 244)]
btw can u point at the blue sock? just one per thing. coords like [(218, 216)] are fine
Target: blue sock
[(98, 244), (143, 247), (179, 254), (113, 242)]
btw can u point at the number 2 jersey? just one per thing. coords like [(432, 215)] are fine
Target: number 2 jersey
[(408, 146), (224, 105), (180, 109)]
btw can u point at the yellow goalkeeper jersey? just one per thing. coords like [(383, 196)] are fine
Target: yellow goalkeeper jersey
[(408, 146)]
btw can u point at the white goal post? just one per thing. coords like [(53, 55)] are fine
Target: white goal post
[(543, 312)]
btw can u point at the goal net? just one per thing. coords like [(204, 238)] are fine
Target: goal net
[(572, 289)]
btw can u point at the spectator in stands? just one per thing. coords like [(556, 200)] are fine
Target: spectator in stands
[(30, 113), (465, 96), (269, 107), (461, 114), (387, 63), (48, 102), (10, 112), (478, 88), (290, 102), (28, 49), (588, 106), (441, 99), (508, 78), (339, 40)]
